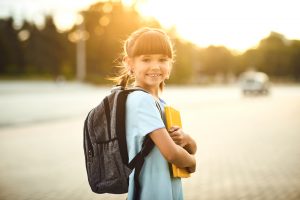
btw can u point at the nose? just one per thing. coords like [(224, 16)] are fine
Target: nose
[(155, 65)]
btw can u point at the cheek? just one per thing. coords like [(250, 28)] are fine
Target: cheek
[(139, 73), (167, 70)]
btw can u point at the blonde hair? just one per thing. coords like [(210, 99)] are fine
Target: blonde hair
[(142, 42)]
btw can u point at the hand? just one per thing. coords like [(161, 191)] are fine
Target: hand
[(178, 136), (191, 169)]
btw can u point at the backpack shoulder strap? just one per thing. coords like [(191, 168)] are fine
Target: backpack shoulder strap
[(137, 163), (120, 120), (120, 125)]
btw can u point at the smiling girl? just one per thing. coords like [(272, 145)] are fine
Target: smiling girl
[(147, 63)]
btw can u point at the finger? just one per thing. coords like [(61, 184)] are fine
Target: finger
[(176, 137), (191, 169), (182, 144), (174, 133), (179, 131), (174, 128)]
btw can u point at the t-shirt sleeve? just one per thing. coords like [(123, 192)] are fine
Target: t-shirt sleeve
[(148, 115)]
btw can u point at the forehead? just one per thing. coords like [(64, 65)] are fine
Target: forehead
[(151, 56)]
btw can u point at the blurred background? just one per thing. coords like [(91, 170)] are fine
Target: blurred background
[(235, 81)]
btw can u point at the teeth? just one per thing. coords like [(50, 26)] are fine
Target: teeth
[(153, 75)]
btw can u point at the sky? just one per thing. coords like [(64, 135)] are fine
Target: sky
[(236, 24)]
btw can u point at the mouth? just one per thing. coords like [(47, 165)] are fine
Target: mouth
[(154, 75)]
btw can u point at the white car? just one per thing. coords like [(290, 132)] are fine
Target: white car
[(255, 83)]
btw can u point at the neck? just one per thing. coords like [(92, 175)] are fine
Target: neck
[(153, 91)]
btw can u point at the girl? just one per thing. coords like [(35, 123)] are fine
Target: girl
[(147, 63)]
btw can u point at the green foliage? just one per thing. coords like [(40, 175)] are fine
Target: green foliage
[(106, 32), (276, 56), (30, 51), (216, 59), (295, 59), (11, 57), (184, 62), (47, 53)]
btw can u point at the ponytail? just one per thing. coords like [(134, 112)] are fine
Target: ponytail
[(124, 78)]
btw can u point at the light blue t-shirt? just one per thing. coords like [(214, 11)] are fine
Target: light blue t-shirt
[(143, 117)]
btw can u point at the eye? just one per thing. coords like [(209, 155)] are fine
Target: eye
[(146, 60), (163, 60)]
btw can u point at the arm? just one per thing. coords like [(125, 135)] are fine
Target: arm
[(183, 139), (173, 153), (149, 117)]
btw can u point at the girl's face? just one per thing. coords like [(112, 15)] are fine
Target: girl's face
[(150, 70)]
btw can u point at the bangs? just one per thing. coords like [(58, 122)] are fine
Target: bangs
[(152, 42)]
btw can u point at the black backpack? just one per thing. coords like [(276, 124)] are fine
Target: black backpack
[(105, 146)]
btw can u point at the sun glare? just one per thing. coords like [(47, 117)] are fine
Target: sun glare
[(236, 24), (65, 21)]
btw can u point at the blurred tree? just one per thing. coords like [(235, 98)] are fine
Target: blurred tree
[(185, 62), (273, 55), (35, 51), (217, 61), (11, 56), (46, 50), (246, 61), (52, 51), (30, 45), (107, 25), (68, 61), (295, 59)]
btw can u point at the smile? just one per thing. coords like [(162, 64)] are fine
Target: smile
[(153, 75)]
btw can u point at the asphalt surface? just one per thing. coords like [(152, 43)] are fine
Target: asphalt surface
[(248, 148)]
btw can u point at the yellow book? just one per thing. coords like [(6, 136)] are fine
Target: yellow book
[(173, 119)]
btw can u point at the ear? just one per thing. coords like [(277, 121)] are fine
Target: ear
[(128, 63)]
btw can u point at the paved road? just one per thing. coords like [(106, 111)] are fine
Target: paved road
[(248, 148)]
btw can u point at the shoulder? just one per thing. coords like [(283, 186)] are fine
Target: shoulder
[(139, 98)]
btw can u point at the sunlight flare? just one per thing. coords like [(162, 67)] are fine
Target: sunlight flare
[(235, 24)]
